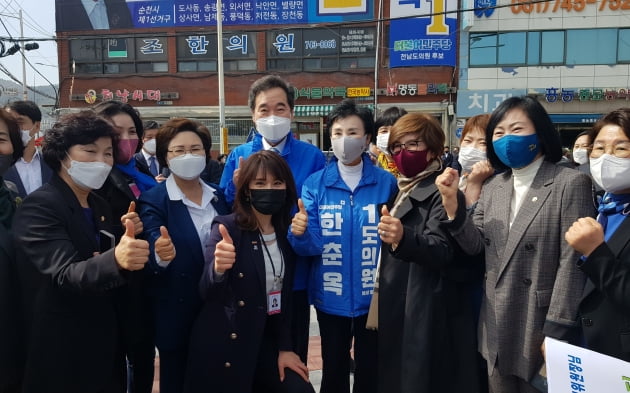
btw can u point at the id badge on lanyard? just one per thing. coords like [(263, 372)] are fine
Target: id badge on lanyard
[(274, 297), (274, 302)]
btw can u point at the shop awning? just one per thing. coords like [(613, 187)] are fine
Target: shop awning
[(318, 110), (312, 110)]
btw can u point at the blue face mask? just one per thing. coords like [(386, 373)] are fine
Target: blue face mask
[(516, 151)]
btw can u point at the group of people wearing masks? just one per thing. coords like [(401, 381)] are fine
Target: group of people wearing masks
[(413, 269)]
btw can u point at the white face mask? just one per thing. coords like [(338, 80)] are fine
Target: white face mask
[(88, 175), (469, 156), (273, 128), (188, 166), (381, 142), (26, 136), (150, 146), (611, 173), (347, 149), (580, 156)]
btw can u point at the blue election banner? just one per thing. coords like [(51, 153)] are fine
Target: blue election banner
[(428, 39), (165, 13)]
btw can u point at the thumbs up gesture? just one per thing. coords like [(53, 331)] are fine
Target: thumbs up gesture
[(164, 247), (241, 160), (390, 228), (300, 220), (224, 252), (134, 218), (131, 253)]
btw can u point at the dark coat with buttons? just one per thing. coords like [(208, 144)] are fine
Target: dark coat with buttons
[(532, 284), (226, 338), (174, 289), (426, 326), (67, 291), (605, 306)]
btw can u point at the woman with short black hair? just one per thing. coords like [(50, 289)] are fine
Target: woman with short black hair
[(532, 286), (70, 265)]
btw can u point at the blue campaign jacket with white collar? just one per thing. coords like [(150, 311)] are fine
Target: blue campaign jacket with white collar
[(342, 231)]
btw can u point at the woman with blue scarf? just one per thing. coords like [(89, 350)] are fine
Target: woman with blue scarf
[(605, 242), (122, 189)]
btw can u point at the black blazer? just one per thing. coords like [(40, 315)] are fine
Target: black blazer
[(10, 319), (233, 321), (72, 335), (605, 306), (70, 15), (13, 176)]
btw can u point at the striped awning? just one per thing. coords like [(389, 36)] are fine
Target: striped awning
[(312, 110)]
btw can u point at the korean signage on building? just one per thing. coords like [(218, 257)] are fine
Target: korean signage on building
[(121, 14), (356, 41), (556, 94), (476, 102), (423, 32)]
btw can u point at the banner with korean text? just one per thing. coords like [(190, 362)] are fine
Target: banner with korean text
[(124, 14), (574, 369), (423, 32)]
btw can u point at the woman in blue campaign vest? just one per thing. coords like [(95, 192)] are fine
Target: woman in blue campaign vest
[(337, 221)]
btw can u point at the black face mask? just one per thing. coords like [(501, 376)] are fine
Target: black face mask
[(268, 201)]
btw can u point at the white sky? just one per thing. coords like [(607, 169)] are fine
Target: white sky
[(39, 23)]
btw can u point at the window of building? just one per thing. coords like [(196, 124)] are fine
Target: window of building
[(552, 47), (483, 49), (533, 48), (510, 48), (119, 55), (556, 47), (591, 46), (623, 51)]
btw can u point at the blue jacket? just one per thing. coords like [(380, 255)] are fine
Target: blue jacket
[(342, 231), (303, 158), (174, 290)]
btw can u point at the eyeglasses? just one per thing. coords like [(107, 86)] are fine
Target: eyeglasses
[(180, 151), (409, 146)]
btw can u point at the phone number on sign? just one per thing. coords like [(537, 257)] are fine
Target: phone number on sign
[(567, 5)]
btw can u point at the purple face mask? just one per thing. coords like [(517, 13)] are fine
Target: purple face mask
[(126, 150), (410, 163)]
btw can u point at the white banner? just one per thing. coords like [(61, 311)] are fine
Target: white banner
[(574, 369)]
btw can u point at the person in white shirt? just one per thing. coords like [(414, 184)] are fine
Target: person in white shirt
[(30, 171)]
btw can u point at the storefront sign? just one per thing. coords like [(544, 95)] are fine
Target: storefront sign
[(309, 43), (124, 95), (476, 102), (418, 89), (555, 94), (359, 92)]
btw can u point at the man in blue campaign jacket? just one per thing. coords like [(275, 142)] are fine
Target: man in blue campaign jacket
[(271, 102), (337, 221)]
